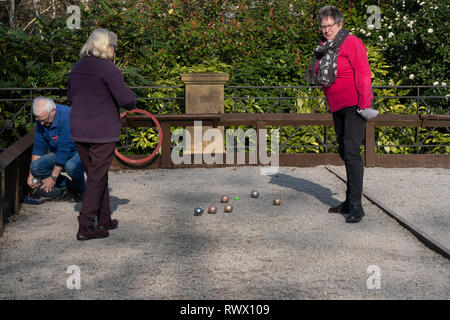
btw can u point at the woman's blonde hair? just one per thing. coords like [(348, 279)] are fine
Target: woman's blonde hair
[(97, 44)]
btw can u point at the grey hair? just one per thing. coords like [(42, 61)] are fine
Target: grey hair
[(38, 108), (97, 44), (330, 11)]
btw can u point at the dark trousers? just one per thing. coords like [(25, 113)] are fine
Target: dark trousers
[(349, 127), (96, 158)]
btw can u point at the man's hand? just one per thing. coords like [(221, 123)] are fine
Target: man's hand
[(48, 184), (30, 181)]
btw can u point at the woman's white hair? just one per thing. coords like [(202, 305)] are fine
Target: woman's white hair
[(97, 44), (41, 104)]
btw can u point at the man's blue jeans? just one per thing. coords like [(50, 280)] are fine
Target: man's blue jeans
[(43, 167)]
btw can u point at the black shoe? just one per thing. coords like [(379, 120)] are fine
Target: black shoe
[(65, 195), (342, 208), (110, 225), (356, 213), (54, 194), (88, 233)]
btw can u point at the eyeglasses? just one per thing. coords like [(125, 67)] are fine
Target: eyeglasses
[(48, 117), (327, 26)]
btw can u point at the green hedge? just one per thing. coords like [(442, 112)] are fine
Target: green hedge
[(259, 43)]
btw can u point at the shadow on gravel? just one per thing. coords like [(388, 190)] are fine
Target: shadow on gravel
[(114, 203), (322, 194)]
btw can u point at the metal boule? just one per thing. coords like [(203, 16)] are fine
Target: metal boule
[(36, 181), (224, 199), (212, 209), (198, 211), (254, 194), (228, 208), (277, 201)]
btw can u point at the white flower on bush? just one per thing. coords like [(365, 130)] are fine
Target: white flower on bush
[(368, 34), (422, 3), (436, 83), (411, 76), (443, 84), (430, 30), (404, 68), (391, 34), (381, 38), (371, 26), (362, 31)]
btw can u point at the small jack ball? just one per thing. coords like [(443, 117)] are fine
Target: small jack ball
[(236, 198), (254, 194), (277, 201)]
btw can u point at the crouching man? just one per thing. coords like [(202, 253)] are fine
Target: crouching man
[(55, 152)]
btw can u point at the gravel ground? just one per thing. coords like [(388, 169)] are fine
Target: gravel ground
[(419, 195), (259, 251)]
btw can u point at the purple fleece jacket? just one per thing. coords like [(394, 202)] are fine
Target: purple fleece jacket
[(96, 89)]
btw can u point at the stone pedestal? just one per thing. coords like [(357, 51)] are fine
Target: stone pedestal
[(204, 93)]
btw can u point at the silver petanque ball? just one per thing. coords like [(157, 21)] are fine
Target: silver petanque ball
[(254, 194), (36, 181), (198, 211)]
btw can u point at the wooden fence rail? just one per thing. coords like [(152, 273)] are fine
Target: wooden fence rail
[(14, 168), (261, 121)]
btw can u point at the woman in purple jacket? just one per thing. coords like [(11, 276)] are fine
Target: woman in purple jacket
[(96, 90)]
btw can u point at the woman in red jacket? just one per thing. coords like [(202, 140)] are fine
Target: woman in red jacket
[(97, 90), (341, 66)]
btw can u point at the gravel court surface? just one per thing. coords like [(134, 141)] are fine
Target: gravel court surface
[(259, 251), (419, 195)]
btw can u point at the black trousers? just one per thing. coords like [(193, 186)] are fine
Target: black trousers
[(96, 158), (349, 127)]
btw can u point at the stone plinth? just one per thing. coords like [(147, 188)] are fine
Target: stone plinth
[(204, 93)]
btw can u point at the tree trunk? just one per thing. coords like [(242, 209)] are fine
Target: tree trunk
[(36, 7), (12, 10), (54, 9)]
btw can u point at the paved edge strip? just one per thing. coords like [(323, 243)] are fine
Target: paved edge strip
[(426, 239)]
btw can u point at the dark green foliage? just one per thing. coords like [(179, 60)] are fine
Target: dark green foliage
[(259, 43)]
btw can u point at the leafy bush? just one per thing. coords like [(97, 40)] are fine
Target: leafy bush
[(259, 43)]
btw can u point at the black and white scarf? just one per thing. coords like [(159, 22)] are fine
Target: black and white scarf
[(327, 53)]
